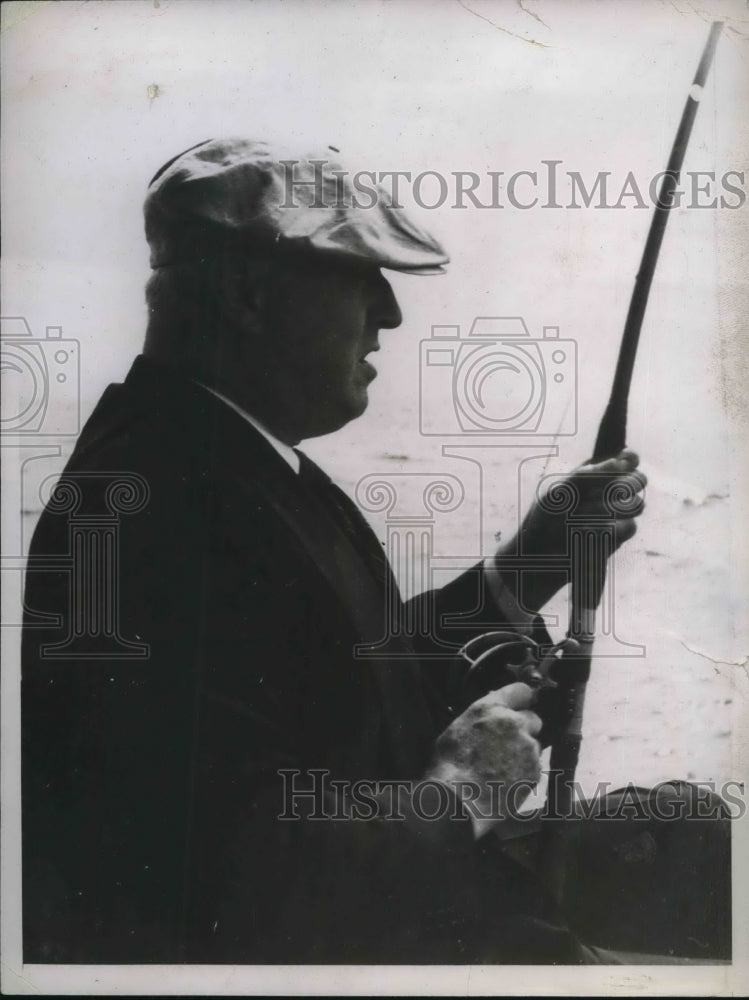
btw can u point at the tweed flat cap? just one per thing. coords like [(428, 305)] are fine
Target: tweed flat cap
[(247, 193)]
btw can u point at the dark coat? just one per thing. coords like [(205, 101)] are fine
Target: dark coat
[(151, 785)]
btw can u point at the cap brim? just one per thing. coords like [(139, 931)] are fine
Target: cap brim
[(426, 270)]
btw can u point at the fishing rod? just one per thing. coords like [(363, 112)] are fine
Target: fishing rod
[(591, 545), (592, 548)]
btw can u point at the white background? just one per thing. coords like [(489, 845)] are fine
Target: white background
[(97, 96)]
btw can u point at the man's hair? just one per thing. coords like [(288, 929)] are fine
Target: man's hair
[(194, 306)]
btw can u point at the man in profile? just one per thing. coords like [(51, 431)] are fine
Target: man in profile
[(174, 808)]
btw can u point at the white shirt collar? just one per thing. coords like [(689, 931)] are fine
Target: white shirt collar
[(286, 452)]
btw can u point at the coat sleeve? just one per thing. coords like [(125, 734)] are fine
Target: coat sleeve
[(462, 609)]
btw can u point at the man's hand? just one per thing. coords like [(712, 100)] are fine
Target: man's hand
[(608, 491), (492, 741)]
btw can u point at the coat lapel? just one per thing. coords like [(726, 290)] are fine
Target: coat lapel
[(352, 565)]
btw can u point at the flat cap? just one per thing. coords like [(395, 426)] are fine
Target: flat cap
[(243, 192)]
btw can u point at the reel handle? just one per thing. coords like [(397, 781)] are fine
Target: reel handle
[(499, 658)]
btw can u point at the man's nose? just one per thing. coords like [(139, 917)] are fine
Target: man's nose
[(386, 312)]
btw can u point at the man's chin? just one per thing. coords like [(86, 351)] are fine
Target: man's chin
[(354, 407)]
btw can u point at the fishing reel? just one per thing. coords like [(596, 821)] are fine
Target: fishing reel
[(496, 659)]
